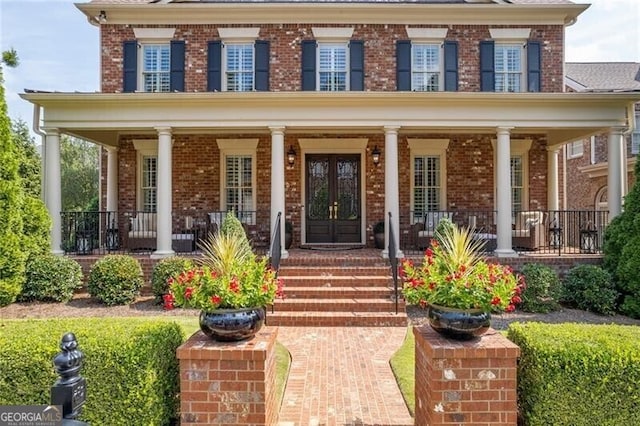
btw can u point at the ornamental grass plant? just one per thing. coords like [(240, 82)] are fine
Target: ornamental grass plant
[(454, 274)]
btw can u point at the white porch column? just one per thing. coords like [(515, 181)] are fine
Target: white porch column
[(277, 184), (164, 195), (391, 188), (553, 202), (53, 197), (112, 179), (503, 193), (615, 169)]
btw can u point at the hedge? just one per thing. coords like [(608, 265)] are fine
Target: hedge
[(130, 366), (578, 374)]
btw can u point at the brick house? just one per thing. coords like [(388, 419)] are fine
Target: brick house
[(337, 115), (586, 160)]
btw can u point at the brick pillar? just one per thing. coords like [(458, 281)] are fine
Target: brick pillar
[(227, 383), (465, 382)]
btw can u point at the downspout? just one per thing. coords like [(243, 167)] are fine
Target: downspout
[(35, 126)]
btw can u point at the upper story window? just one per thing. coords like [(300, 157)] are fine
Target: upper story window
[(155, 67), (575, 149), (332, 61), (239, 68), (510, 62), (332, 67), (238, 62), (635, 137), (427, 63), (153, 62)]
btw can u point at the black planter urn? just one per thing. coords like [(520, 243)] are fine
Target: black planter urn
[(458, 324), (232, 325)]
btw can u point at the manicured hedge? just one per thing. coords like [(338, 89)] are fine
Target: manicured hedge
[(130, 366), (578, 374)]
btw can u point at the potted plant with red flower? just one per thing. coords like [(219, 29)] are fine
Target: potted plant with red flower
[(231, 287), (458, 287)]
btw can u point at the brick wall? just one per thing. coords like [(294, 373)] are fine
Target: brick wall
[(465, 382), (285, 53)]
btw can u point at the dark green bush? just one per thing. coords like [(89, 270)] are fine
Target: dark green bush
[(115, 279), (165, 269), (51, 278), (444, 227), (543, 288), (130, 366), (590, 288), (578, 374), (231, 225), (628, 273)]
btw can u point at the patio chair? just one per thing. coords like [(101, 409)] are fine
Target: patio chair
[(529, 231), (424, 230)]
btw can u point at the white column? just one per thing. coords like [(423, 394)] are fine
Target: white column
[(277, 184), (112, 179), (164, 194), (503, 193), (614, 178), (53, 198), (552, 172), (391, 188)]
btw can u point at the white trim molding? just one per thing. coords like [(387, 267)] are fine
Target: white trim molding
[(332, 34), (239, 34), (510, 34), (426, 34), (154, 34)]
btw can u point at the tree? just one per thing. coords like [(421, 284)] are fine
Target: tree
[(29, 168), (79, 174)]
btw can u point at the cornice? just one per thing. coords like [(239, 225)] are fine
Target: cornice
[(334, 13)]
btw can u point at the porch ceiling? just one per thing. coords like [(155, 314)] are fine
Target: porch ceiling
[(563, 117)]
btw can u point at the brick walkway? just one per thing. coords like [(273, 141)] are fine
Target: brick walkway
[(341, 376)]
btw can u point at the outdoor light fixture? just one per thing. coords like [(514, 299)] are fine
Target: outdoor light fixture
[(375, 155), (102, 17), (291, 155)]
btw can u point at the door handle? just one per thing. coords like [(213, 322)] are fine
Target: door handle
[(335, 209), (330, 212)]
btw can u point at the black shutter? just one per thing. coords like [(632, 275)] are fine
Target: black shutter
[(262, 65), (356, 65), (534, 66), (487, 66), (176, 77), (308, 65), (451, 66), (129, 66), (403, 65), (214, 66)]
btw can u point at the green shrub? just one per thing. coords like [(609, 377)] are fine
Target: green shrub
[(542, 289), (165, 269), (578, 374), (51, 278), (36, 225), (628, 273), (232, 226), (590, 288), (444, 227), (115, 279), (129, 363)]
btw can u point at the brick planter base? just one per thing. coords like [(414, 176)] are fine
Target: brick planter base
[(226, 383), (468, 382)]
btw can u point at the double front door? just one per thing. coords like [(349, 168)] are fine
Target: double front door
[(333, 213)]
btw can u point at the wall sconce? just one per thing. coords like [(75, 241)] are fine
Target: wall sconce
[(375, 155), (102, 17), (291, 155)]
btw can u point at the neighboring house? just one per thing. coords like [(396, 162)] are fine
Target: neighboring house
[(336, 114), (586, 160)]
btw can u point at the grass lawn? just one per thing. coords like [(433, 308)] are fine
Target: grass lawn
[(403, 366)]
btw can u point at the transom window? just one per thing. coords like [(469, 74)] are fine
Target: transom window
[(240, 67), (239, 189), (149, 188), (426, 184), (425, 67), (508, 68), (517, 183), (332, 67), (156, 60)]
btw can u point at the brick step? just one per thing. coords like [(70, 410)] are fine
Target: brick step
[(302, 292), (337, 260), (328, 281), (334, 270), (338, 319), (336, 305)]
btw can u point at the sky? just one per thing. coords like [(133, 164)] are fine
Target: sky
[(58, 48)]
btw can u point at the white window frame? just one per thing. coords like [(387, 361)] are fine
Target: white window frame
[(518, 148), (428, 37), (333, 36), (145, 148), (516, 37), (439, 71), (225, 65), (237, 37), (575, 149), (152, 37), (506, 73), (238, 148), (635, 137), (332, 70), (428, 148), (161, 73)]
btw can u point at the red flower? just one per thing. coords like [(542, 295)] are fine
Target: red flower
[(510, 308), (496, 301), (234, 286), (516, 299), (423, 303), (429, 252), (216, 300), (168, 301), (188, 292), (432, 285)]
